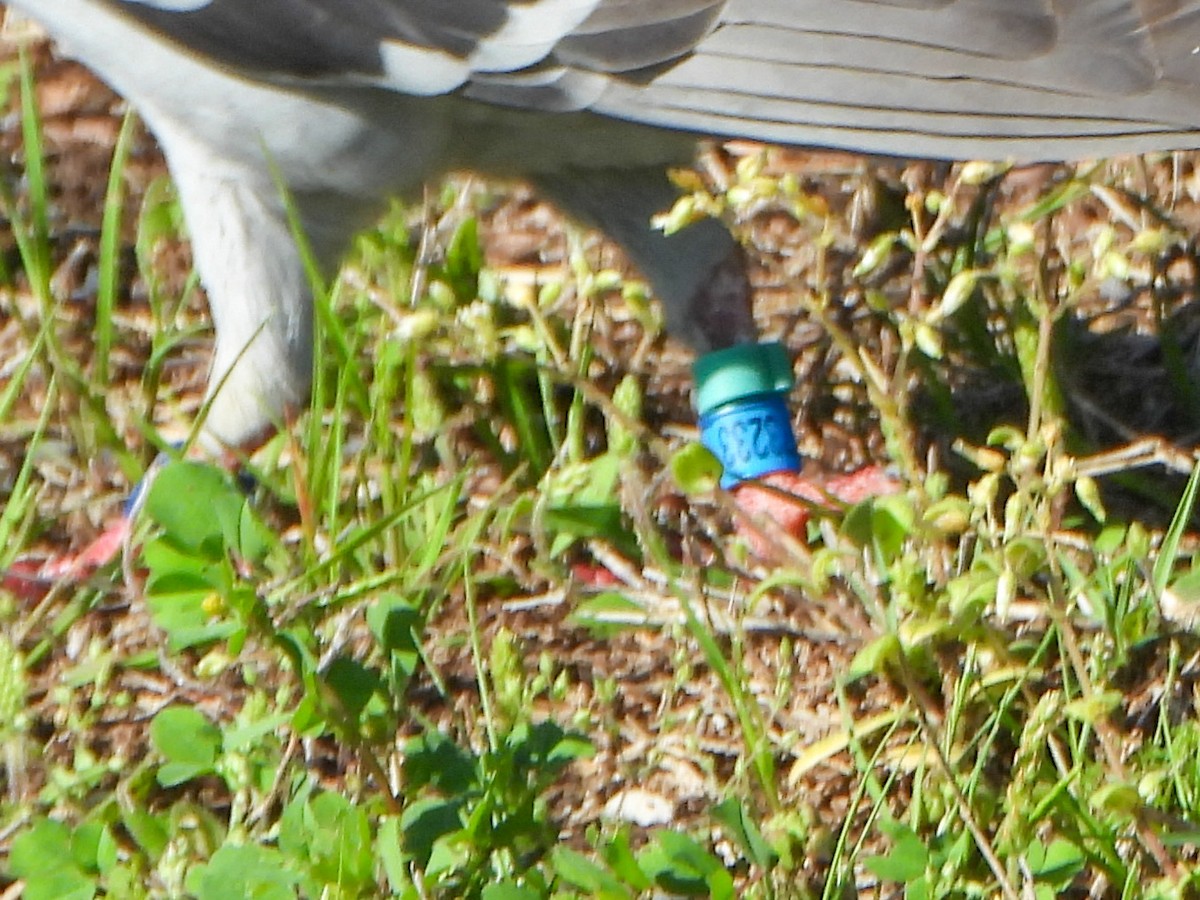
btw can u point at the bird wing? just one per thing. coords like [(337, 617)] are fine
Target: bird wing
[(1024, 78), (954, 78)]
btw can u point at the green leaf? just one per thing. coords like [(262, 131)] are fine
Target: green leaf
[(191, 574), (1167, 554), (509, 890), (627, 398), (732, 814), (254, 539), (44, 848), (464, 259), (247, 736), (518, 395), (173, 571), (388, 847), (580, 872), (581, 493), (905, 862), (1088, 493), (179, 599), (295, 827), (433, 759), (60, 884), (1110, 539), (583, 521), (85, 845), (678, 863), (950, 515), (396, 624), (425, 822), (189, 742), (308, 718), (884, 523), (1057, 863), (353, 683), (957, 292), (1094, 708), (93, 847), (720, 885), (451, 853), (856, 524), (876, 253), (696, 470), (337, 835), (257, 872), (545, 748), (620, 857), (184, 500), (1120, 798), (570, 748), (874, 658), (203, 513), (47, 856), (918, 889), (150, 831)]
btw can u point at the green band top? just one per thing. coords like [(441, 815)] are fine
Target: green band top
[(723, 376)]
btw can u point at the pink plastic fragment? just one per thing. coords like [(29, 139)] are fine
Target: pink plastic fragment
[(790, 514)]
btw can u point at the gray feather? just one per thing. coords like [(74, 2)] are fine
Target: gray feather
[(1031, 78)]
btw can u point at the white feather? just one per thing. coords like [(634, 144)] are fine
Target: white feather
[(529, 34), (174, 5), (421, 71)]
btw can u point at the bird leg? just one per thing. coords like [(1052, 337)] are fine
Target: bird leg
[(721, 308)]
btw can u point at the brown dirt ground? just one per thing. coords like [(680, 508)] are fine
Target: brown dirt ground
[(676, 736)]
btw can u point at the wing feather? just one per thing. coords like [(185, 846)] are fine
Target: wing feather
[(1032, 78)]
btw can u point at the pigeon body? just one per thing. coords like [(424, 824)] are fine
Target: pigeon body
[(352, 101)]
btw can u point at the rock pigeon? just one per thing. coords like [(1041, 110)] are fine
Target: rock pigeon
[(352, 101)]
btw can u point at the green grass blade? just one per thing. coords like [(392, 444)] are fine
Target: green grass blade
[(109, 263), (1169, 550)]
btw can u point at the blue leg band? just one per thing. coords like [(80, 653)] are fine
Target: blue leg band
[(744, 421)]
